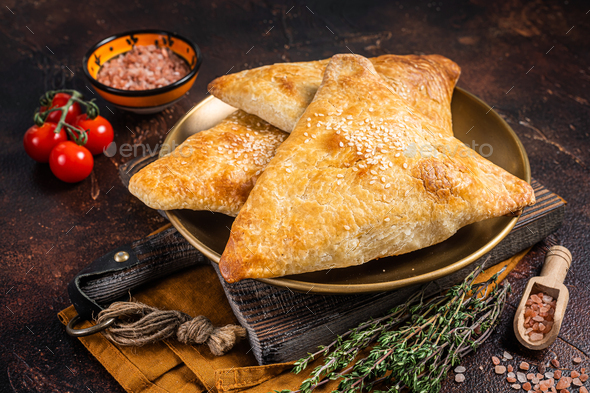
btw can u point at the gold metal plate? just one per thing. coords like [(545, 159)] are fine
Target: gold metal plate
[(473, 123)]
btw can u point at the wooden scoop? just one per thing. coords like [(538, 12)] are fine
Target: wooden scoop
[(555, 268)]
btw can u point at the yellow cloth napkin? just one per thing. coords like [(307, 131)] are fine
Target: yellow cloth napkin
[(169, 366)]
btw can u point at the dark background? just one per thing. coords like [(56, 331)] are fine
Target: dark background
[(50, 230)]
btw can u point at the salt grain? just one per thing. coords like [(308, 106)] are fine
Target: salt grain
[(500, 369)]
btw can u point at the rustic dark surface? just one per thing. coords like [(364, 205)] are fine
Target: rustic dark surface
[(51, 230)]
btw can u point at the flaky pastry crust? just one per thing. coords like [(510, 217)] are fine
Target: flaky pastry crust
[(212, 170), (345, 187), (280, 93)]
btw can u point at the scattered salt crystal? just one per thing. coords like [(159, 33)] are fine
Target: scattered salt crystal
[(507, 355), (495, 360), (459, 378), (459, 369), (521, 377), (500, 369)]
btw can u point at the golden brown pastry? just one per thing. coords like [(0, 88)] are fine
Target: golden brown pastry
[(341, 190), (280, 93), (213, 169)]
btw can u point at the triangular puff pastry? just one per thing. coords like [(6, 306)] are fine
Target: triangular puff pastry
[(280, 93), (213, 169), (340, 191)]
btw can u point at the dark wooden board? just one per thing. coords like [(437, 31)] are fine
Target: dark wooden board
[(284, 325)]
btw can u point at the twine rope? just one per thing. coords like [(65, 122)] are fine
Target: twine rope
[(139, 324)]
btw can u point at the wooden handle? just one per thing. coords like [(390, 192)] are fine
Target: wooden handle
[(557, 263)]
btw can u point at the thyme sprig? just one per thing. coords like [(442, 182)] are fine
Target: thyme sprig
[(415, 345)]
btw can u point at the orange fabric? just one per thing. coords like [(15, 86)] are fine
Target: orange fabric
[(173, 367)]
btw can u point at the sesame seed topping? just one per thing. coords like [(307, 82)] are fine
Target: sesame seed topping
[(340, 175), (288, 170), (386, 219), (341, 144), (305, 141), (388, 185), (372, 182), (405, 165), (347, 227)]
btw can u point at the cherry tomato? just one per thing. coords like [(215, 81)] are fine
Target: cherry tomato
[(59, 100), (39, 141), (100, 133), (70, 162)]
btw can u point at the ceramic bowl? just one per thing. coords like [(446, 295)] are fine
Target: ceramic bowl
[(142, 101)]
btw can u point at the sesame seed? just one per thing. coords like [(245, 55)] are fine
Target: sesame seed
[(320, 114), (305, 141), (288, 170), (340, 175), (309, 119), (386, 219), (370, 109), (373, 172), (388, 185), (372, 182), (306, 134), (347, 227), (397, 154), (338, 182), (313, 136), (355, 169), (405, 165), (341, 144)]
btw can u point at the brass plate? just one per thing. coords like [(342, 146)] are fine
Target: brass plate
[(473, 122)]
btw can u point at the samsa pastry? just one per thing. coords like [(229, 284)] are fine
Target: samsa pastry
[(213, 169), (340, 191), (280, 93)]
